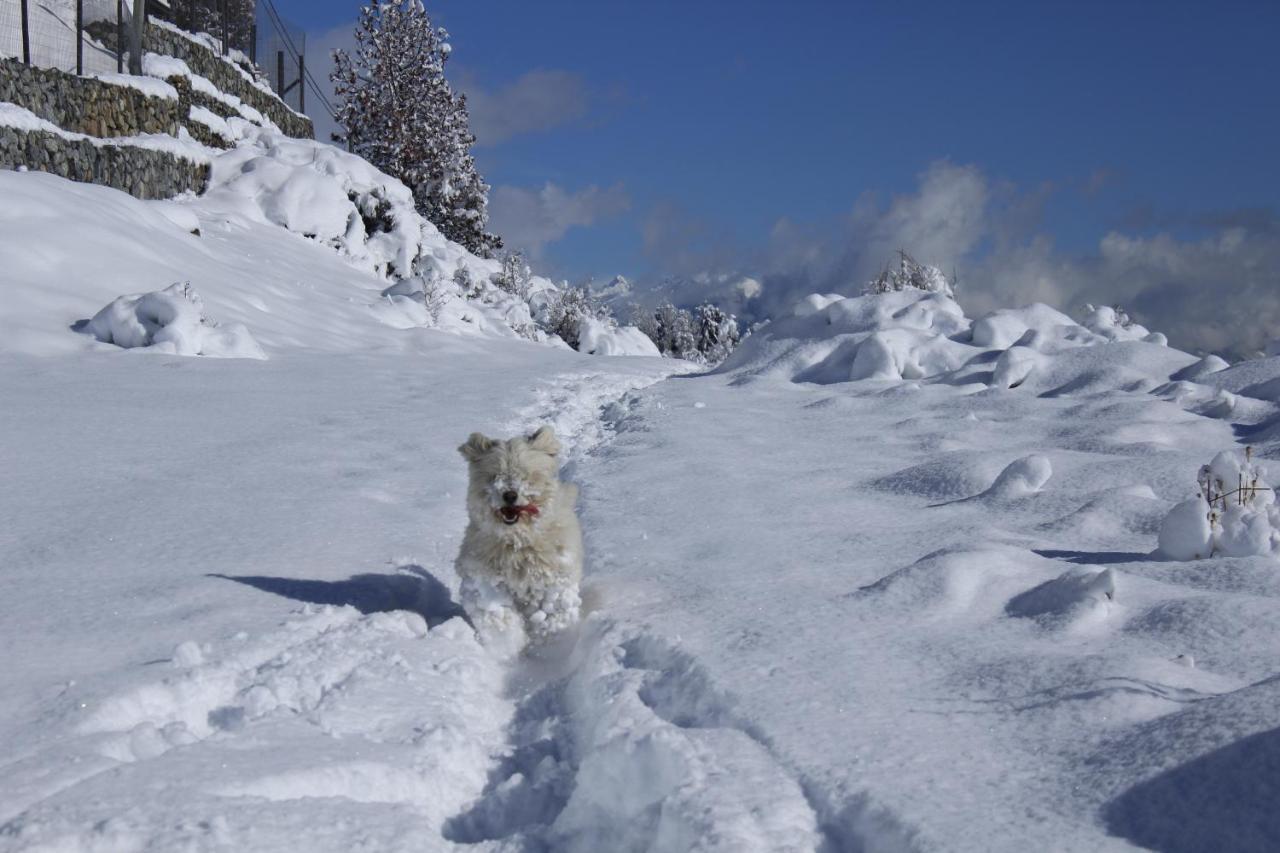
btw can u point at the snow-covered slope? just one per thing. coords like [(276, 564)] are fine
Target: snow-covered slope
[(887, 580), (304, 245)]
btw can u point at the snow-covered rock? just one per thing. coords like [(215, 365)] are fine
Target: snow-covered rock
[(171, 321)]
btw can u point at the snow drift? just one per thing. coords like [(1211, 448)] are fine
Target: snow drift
[(171, 321)]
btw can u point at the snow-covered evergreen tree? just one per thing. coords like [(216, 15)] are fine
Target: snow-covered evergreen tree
[(398, 111), (707, 334), (717, 332)]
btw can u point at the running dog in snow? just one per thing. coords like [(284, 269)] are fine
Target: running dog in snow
[(521, 557)]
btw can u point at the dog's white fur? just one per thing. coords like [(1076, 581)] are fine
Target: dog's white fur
[(519, 578)]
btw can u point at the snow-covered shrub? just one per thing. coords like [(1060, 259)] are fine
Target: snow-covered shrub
[(564, 310), (1235, 513), (1114, 324), (171, 321), (467, 286), (421, 297), (910, 274), (515, 277)]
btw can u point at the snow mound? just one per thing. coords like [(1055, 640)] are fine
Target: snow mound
[(827, 339), (1185, 533), (1022, 477), (1235, 515), (171, 321), (597, 337), (1068, 594), (960, 474), (325, 194), (1001, 329), (913, 335), (1115, 325)]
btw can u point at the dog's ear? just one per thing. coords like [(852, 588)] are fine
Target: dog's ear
[(545, 440), (476, 446)]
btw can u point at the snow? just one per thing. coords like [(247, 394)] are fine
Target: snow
[(1185, 533), (170, 321), (596, 337), (163, 67), (12, 115), (146, 85), (947, 606)]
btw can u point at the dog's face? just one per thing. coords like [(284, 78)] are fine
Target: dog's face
[(513, 482)]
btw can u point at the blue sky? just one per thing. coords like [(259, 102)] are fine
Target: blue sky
[(714, 137)]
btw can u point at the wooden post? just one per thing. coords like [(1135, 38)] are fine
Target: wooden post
[(80, 37), (26, 35), (119, 36), (280, 73), (302, 85), (135, 38), (223, 5), (253, 43)]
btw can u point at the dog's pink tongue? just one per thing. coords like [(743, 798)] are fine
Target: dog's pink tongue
[(527, 509)]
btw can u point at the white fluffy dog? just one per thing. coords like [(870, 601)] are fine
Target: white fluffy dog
[(521, 557)]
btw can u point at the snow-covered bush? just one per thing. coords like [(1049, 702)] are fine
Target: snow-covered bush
[(467, 286), (171, 321), (1235, 513), (515, 277), (910, 274), (564, 311), (1115, 324), (421, 297)]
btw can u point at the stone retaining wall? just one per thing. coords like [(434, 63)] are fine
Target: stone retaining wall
[(141, 172), (206, 62), (85, 105)]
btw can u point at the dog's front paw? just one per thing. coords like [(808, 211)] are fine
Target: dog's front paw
[(501, 630), (558, 610), (499, 625)]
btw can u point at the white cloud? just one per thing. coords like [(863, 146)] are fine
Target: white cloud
[(529, 219), (535, 101)]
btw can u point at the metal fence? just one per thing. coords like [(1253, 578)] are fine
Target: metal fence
[(60, 34), (51, 33)]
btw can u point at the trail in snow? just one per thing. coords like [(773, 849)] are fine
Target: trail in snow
[(382, 723)]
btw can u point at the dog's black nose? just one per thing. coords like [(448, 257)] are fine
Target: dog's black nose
[(509, 497)]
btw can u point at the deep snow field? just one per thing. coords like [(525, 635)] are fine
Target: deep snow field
[(886, 580)]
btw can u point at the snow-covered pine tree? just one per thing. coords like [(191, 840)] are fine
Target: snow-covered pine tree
[(717, 332), (398, 111)]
